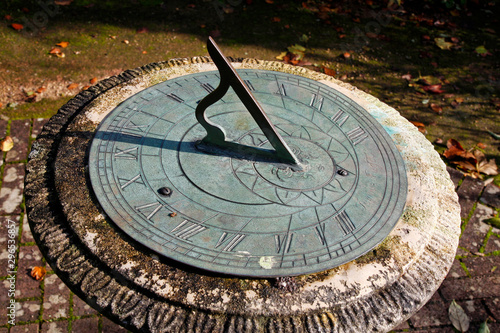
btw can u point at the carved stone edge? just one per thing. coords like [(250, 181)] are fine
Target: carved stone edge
[(143, 312)]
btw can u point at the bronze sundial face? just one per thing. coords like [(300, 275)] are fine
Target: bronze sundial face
[(315, 184)]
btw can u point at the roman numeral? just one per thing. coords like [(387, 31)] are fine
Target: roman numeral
[(231, 243), (281, 90), (340, 118), (126, 182), (127, 154), (208, 87), (249, 85), (149, 210), (174, 97), (283, 242), (320, 232), (345, 223), (186, 230), (356, 135), (316, 102)]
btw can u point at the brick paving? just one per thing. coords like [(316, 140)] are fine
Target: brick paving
[(49, 306)]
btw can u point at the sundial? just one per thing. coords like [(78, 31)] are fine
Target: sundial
[(255, 173), (240, 195)]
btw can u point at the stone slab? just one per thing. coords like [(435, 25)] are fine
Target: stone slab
[(491, 195), (476, 230), (482, 266), (110, 327), (27, 310), (55, 327), (455, 175), (493, 243), (11, 193), (30, 328), (468, 193), (19, 131), (471, 288), (494, 307), (154, 294), (86, 325), (80, 308), (6, 263), (55, 298), (27, 286)]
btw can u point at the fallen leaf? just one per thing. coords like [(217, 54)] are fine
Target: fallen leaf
[(63, 2), (63, 44), (85, 87), (276, 19), (269, 1), (406, 77), (73, 86), (38, 272), (420, 126), (371, 35), (459, 100), (55, 50), (481, 145), (329, 71), (144, 52), (173, 214), (433, 89), (93, 80), (125, 41), (8, 17), (41, 90), (483, 328), (483, 165), (443, 44), (482, 51), (456, 152), (494, 221), (17, 26), (1, 105), (436, 108), (7, 143), (458, 317), (346, 55)]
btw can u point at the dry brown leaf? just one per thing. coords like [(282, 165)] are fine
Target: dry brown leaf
[(481, 145), (63, 2), (93, 80), (125, 41), (329, 71), (41, 90), (6, 144), (63, 44), (38, 272), (484, 166), (73, 86), (436, 108), (17, 26), (420, 126), (85, 87)]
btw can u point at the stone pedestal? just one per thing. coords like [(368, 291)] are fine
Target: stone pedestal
[(148, 293)]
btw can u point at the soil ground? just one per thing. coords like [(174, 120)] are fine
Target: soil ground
[(381, 49)]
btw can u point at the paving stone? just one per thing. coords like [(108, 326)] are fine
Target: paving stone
[(6, 225), (110, 327), (456, 270), (30, 328), (493, 305), (3, 128), (56, 327), (493, 244), (89, 325), (27, 310), (4, 302), (468, 193), (478, 266), (11, 194), (37, 126), (27, 286), (471, 288), (55, 299), (474, 309), (455, 175), (80, 308), (434, 313), (491, 195), (26, 235), (4, 329), (19, 131), (476, 230)]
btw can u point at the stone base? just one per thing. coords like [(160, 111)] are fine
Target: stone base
[(147, 293)]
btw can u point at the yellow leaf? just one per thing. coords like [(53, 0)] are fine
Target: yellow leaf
[(442, 44), (63, 44), (7, 143)]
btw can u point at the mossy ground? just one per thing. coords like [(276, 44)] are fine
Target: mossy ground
[(108, 37)]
